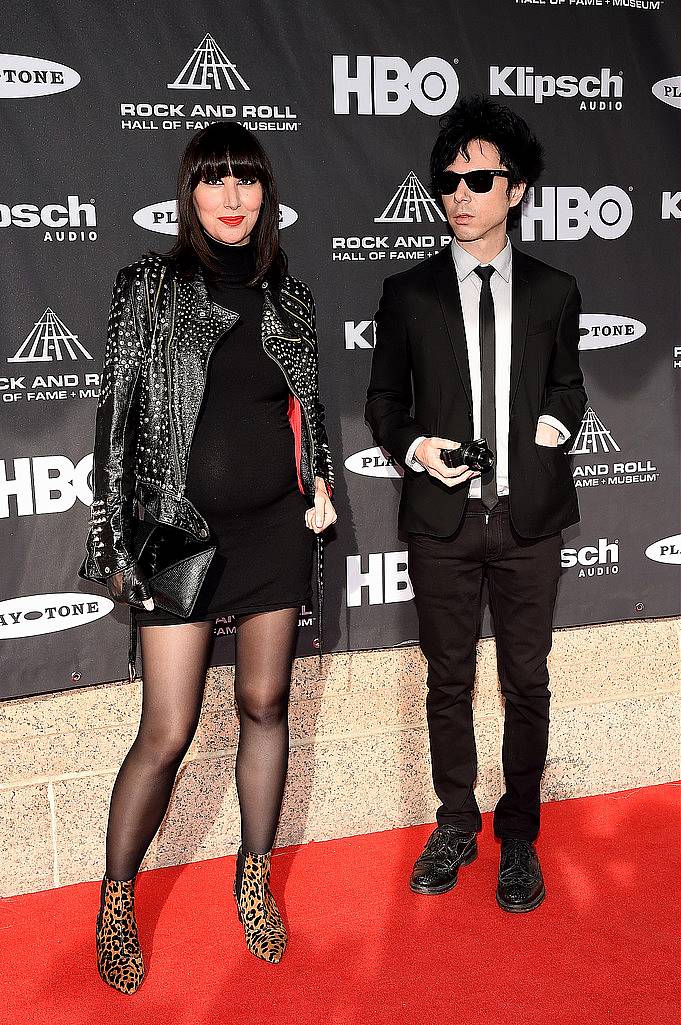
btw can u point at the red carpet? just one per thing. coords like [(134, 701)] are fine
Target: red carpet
[(364, 949)]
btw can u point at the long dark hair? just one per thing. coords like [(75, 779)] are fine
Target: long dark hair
[(227, 148)]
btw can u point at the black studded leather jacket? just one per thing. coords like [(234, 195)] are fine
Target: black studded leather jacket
[(161, 333)]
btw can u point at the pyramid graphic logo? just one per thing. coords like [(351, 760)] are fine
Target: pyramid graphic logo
[(410, 203), (593, 436), (49, 340), (209, 67)]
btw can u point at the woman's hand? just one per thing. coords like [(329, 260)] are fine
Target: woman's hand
[(129, 587), (322, 514)]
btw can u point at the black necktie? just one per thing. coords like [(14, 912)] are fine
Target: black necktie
[(488, 417)]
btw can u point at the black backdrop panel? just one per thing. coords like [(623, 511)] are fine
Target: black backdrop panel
[(97, 106)]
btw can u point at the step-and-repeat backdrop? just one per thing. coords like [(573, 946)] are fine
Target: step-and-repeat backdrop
[(97, 105)]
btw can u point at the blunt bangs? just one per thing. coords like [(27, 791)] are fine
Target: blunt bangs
[(225, 149)]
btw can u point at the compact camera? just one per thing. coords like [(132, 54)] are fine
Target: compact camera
[(475, 454)]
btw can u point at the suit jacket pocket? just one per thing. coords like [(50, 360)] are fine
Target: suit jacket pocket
[(552, 458), (542, 328)]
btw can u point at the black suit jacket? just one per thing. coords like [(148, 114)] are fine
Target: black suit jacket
[(420, 385)]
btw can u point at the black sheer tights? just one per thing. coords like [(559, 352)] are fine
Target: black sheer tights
[(174, 664)]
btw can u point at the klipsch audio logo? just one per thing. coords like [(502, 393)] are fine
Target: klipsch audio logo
[(389, 85), (597, 560), (208, 69), (409, 204), (605, 330), (33, 76), (386, 579), (595, 439), (568, 213), (162, 217), (668, 549), (602, 91), (73, 222), (359, 334), (48, 342), (671, 206), (35, 614), (43, 484), (668, 90), (373, 462)]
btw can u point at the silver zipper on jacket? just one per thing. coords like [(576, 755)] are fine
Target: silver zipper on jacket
[(173, 439)]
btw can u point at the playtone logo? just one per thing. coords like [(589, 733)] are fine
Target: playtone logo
[(668, 549), (568, 213), (35, 614), (162, 217), (386, 580), (668, 90), (605, 330), (33, 76), (373, 462), (44, 484), (389, 86), (598, 92)]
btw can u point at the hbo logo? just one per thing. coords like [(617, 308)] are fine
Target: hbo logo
[(44, 484), (567, 213), (387, 85)]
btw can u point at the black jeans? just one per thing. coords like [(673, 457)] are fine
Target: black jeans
[(447, 575)]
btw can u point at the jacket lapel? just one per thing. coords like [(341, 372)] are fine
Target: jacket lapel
[(219, 317), (521, 296), (447, 288), (275, 323)]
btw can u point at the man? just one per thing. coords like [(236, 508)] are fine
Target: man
[(481, 340)]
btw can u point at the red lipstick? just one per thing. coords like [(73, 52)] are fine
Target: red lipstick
[(233, 222)]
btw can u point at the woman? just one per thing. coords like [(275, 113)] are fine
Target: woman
[(209, 421)]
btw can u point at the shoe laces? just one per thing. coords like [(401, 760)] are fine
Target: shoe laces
[(441, 841), (517, 860)]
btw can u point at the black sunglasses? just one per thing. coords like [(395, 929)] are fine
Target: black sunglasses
[(477, 181)]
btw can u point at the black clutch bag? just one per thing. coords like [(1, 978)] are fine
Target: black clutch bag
[(174, 564)]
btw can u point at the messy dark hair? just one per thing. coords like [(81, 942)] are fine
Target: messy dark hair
[(478, 117)]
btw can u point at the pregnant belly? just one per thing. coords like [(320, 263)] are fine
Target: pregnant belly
[(246, 466)]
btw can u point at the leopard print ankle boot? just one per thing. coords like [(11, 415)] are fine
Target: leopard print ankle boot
[(119, 956), (258, 913)]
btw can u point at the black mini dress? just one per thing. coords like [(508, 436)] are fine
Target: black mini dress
[(242, 473)]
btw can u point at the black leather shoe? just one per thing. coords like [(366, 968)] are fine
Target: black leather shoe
[(446, 850), (521, 886)]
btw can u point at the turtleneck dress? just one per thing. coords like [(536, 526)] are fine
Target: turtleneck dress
[(241, 474)]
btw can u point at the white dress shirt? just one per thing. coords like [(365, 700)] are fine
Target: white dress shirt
[(470, 287)]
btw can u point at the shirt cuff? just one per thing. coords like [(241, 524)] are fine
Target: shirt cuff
[(409, 461), (550, 421)]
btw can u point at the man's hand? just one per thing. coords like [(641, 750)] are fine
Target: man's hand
[(546, 435), (428, 455), (322, 514)]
